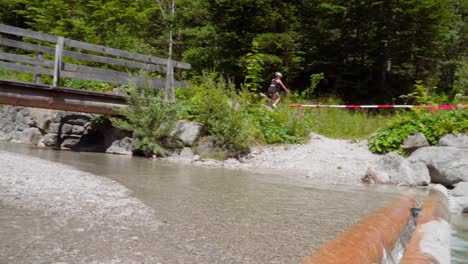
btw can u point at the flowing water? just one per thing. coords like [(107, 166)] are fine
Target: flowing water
[(230, 216), (459, 241)]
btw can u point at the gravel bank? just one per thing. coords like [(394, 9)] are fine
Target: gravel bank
[(321, 160), (52, 213)]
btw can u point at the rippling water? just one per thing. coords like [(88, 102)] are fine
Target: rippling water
[(459, 239), (228, 216)]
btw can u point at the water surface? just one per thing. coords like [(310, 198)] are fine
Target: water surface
[(230, 216)]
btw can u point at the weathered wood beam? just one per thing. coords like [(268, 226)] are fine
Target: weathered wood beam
[(90, 47), (42, 96), (89, 73)]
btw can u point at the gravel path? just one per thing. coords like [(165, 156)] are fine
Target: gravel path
[(322, 160)]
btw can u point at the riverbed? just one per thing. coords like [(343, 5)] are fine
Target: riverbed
[(189, 214)]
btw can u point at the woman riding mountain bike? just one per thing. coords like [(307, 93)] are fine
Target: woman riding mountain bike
[(274, 88)]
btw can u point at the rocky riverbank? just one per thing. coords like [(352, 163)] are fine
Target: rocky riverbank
[(321, 160)]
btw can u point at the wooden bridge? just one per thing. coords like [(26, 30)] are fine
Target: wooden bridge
[(25, 50)]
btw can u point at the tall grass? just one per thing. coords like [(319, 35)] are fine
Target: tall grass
[(345, 123)]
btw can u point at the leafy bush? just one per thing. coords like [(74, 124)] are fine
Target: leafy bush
[(237, 119), (150, 119), (433, 126), (215, 104)]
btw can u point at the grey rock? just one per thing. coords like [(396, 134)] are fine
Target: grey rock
[(77, 130), (447, 165), (205, 146), (31, 136), (395, 169), (19, 118), (7, 127), (458, 204), (42, 117), (187, 132), (186, 154), (457, 141), (79, 120), (14, 136), (24, 111), (122, 147), (69, 141), (112, 134), (60, 128), (414, 142), (461, 189), (21, 126), (3, 136), (49, 140)]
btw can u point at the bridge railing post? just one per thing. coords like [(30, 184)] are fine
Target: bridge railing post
[(37, 74), (58, 61), (169, 89)]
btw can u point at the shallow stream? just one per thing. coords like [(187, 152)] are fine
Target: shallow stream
[(230, 216)]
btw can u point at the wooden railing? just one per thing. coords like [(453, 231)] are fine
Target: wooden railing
[(80, 51)]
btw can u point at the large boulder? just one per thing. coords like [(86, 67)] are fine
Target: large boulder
[(395, 169), (447, 165), (31, 135), (122, 147), (414, 142), (187, 132), (457, 141)]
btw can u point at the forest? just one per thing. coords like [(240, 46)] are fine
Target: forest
[(368, 51)]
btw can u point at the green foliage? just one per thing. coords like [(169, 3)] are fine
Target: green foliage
[(372, 51), (236, 120), (419, 92), (150, 119), (315, 78), (215, 104), (461, 75), (433, 126), (89, 85), (253, 69), (279, 126), (15, 76)]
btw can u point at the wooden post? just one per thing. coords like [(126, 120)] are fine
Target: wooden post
[(58, 61), (37, 76), (170, 93)]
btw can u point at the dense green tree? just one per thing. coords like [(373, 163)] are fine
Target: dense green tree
[(370, 51)]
